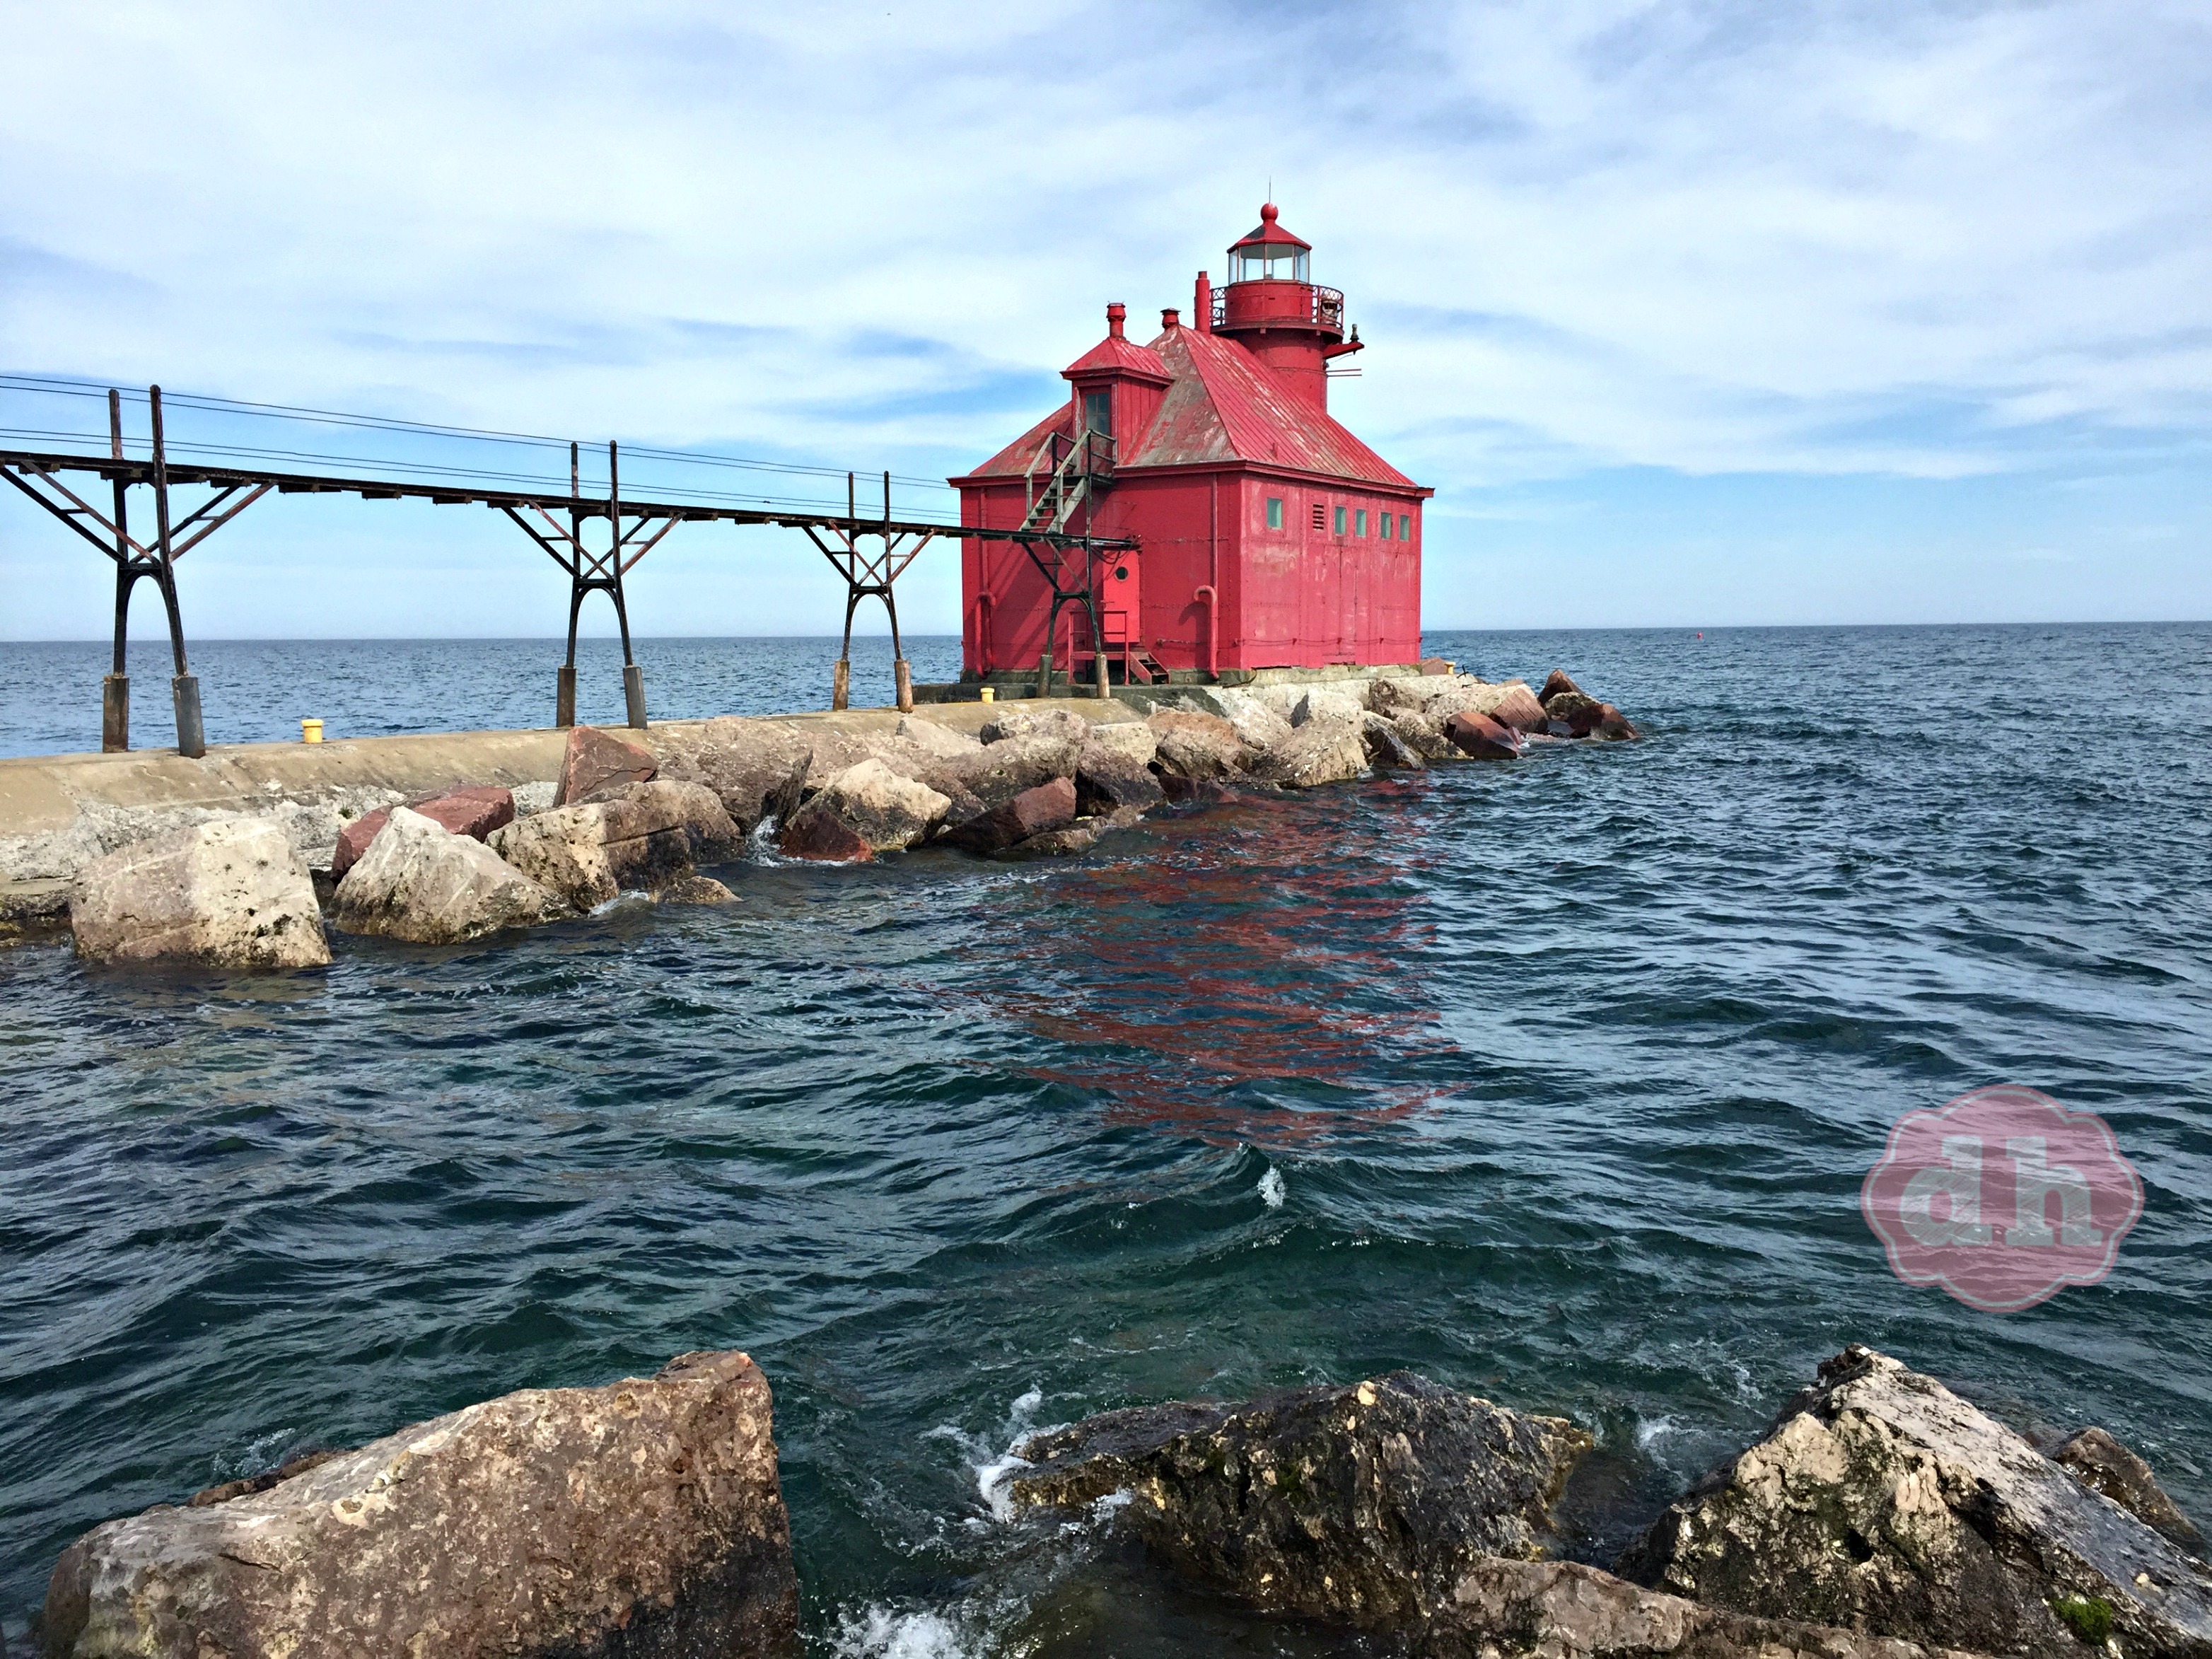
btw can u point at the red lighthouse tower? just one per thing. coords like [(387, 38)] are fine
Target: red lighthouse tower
[(1267, 535)]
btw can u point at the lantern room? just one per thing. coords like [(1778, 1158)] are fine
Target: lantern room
[(1265, 534)]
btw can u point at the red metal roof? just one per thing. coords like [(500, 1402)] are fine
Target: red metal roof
[(1013, 461), (1222, 406), (1269, 233), (1118, 355)]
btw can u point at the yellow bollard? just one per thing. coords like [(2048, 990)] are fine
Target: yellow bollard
[(987, 694), (310, 731)]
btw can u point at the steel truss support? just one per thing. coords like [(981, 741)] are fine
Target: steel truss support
[(1065, 557), (590, 572), (110, 533), (870, 576)]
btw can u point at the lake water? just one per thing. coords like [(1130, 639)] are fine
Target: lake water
[(1555, 1081)]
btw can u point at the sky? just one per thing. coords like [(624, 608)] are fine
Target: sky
[(1692, 315)]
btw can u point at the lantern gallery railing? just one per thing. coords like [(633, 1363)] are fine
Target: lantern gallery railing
[(1324, 309)]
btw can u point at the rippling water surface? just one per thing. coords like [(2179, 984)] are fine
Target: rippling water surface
[(1555, 1081)]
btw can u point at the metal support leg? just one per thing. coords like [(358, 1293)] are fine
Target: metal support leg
[(115, 690), (841, 682), (902, 670), (633, 676), (183, 687), (192, 736), (115, 714), (564, 690), (1044, 659)]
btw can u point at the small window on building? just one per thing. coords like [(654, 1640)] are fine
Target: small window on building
[(1274, 512), (1098, 413), (1405, 526), (1360, 522), (1340, 521), (1387, 519), (1321, 516)]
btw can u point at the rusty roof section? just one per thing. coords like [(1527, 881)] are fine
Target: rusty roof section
[(1013, 460), (1118, 355), (1222, 407)]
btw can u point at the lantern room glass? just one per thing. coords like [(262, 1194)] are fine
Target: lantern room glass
[(1269, 262)]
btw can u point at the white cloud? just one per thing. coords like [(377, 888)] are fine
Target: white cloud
[(1930, 241)]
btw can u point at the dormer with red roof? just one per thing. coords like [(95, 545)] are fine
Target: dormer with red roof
[(1267, 534)]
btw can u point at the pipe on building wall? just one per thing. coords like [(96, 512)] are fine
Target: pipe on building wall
[(979, 618), (1210, 591)]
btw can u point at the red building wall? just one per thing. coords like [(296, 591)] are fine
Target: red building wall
[(1294, 597)]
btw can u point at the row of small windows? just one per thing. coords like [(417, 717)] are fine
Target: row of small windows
[(1388, 525)]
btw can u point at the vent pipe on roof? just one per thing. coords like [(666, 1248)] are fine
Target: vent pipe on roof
[(1115, 313), (1170, 318), (1201, 306)]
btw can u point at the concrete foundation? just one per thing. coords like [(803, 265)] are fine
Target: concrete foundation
[(1008, 684)]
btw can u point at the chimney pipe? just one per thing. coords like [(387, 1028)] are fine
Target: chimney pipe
[(1114, 315), (1201, 306), (1170, 318)]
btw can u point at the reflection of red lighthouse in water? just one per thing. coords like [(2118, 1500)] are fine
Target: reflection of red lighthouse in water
[(1268, 536)]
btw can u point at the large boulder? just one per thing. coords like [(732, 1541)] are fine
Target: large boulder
[(1050, 806), (1362, 1505), (915, 745), (474, 812), (1424, 733), (423, 882), (1322, 750), (1577, 715), (1015, 721), (2103, 1464), (883, 812), (1510, 702), (1079, 837), (1327, 702), (1195, 746), (994, 773), (230, 893), (1612, 726), (1134, 738), (1881, 1501), (642, 1520), (1565, 1610), (1385, 749), (1107, 779), (756, 768), (1516, 706), (595, 761), (1480, 737), (1259, 725), (1555, 683), (823, 838), (642, 837)]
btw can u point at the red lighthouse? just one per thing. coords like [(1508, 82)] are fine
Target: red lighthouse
[(1264, 535)]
